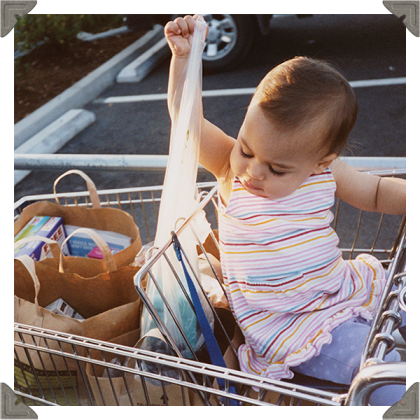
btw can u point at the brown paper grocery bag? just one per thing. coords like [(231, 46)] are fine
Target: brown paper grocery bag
[(229, 354), (102, 326), (209, 281), (210, 246), (130, 389), (114, 387), (108, 219), (41, 283), (36, 371), (88, 291), (144, 391), (108, 302), (107, 385)]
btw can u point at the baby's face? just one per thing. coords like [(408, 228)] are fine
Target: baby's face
[(271, 163)]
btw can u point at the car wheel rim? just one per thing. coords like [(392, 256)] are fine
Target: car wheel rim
[(221, 38)]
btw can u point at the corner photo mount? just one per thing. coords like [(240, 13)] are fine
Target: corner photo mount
[(408, 11), (9, 9)]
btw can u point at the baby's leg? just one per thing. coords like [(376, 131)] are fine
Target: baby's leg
[(339, 361), (390, 394)]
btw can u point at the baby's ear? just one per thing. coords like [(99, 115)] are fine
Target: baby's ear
[(324, 163)]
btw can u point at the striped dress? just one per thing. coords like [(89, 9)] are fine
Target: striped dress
[(287, 283)]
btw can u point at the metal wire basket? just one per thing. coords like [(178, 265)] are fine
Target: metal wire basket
[(104, 373)]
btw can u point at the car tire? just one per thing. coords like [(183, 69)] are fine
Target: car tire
[(229, 39)]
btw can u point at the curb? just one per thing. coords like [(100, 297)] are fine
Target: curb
[(141, 67), (54, 136), (86, 36), (85, 90)]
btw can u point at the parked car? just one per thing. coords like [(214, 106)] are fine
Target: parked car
[(229, 39)]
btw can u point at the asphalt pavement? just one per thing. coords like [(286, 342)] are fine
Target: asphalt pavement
[(363, 47)]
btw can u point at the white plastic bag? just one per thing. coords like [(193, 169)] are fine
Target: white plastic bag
[(179, 199)]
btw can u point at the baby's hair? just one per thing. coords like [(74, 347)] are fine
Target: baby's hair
[(303, 91)]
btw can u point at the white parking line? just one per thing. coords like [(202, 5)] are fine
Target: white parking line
[(240, 91), (379, 82)]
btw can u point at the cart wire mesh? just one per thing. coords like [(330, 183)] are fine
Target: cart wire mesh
[(53, 368)]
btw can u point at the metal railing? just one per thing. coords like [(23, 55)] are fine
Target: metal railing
[(94, 162)]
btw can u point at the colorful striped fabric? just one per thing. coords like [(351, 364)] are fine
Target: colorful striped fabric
[(287, 282)]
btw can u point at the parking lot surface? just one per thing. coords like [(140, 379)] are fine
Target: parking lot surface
[(368, 49)]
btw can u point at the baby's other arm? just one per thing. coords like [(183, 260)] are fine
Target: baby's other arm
[(215, 145), (369, 192)]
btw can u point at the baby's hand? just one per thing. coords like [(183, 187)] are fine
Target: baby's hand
[(178, 34)]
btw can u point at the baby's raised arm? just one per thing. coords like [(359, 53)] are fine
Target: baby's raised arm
[(179, 37), (215, 145), (369, 192)]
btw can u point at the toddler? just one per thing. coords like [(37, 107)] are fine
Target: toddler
[(300, 305)]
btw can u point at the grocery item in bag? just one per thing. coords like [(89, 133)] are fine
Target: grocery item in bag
[(81, 245), (60, 307), (44, 226)]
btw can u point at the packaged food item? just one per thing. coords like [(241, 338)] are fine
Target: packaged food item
[(47, 227), (62, 308), (80, 245), (97, 253)]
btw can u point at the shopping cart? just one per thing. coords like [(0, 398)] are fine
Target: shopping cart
[(118, 373)]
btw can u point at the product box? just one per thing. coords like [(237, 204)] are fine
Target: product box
[(82, 244), (47, 227), (62, 308)]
